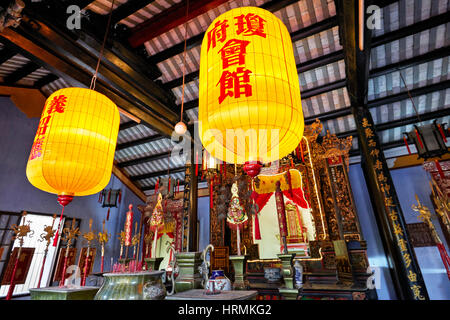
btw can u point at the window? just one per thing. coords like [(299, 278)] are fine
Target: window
[(37, 223)]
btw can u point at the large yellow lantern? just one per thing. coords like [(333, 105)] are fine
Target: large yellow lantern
[(249, 97), (73, 150)]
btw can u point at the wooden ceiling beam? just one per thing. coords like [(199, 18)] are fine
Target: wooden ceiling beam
[(124, 178), (157, 174), (20, 73), (138, 142), (155, 157), (6, 54), (169, 19), (66, 59), (45, 80)]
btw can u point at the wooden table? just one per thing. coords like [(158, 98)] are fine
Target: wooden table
[(57, 293), (198, 294)]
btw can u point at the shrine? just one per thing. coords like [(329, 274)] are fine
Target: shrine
[(224, 150)]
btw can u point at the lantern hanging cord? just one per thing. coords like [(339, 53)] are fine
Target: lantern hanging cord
[(184, 59), (94, 77), (409, 94)]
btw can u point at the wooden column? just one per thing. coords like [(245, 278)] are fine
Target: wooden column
[(190, 205), (356, 40), (402, 260)]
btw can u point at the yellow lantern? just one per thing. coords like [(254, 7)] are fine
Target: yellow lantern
[(249, 97), (73, 150)]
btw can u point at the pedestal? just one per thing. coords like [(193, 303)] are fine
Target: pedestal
[(153, 263), (288, 294), (57, 293), (240, 283), (288, 272), (189, 276)]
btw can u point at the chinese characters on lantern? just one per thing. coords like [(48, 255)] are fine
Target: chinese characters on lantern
[(56, 105), (400, 237), (235, 82)]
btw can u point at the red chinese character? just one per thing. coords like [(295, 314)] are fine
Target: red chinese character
[(43, 124), (233, 52), (250, 24), (218, 33), (36, 149), (235, 84), (57, 105)]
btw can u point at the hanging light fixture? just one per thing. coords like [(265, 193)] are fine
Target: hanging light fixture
[(180, 127), (429, 139), (250, 108), (73, 150)]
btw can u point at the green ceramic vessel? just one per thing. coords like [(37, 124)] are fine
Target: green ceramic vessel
[(145, 285)]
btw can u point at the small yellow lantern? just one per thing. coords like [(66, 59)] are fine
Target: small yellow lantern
[(73, 150), (249, 95)]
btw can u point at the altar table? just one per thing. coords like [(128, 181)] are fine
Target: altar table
[(199, 294)]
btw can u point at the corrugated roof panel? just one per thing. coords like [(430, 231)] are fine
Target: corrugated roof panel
[(439, 100), (54, 86), (407, 12), (142, 150), (190, 91), (36, 75), (195, 26), (12, 65), (317, 45), (325, 102), (418, 76), (322, 75), (134, 133), (173, 68), (148, 12), (410, 46), (397, 134), (340, 125), (103, 6)]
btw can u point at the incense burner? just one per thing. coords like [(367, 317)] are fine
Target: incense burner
[(146, 285)]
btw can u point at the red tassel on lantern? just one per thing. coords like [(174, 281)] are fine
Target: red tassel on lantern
[(196, 163), (407, 146), (211, 196), (442, 132), (168, 188), (178, 186), (107, 215), (418, 138), (120, 195)]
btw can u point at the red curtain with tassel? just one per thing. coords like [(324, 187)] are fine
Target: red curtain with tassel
[(261, 200)]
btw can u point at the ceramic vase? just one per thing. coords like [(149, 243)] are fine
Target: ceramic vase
[(217, 282)]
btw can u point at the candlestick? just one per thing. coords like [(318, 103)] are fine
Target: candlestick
[(238, 238), (154, 244), (69, 234), (89, 236), (46, 236)]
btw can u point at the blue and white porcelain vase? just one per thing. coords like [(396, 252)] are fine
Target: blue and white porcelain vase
[(217, 282), (298, 275)]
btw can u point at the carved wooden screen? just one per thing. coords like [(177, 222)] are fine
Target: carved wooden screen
[(220, 259)]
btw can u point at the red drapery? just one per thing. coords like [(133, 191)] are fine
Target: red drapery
[(261, 200)]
